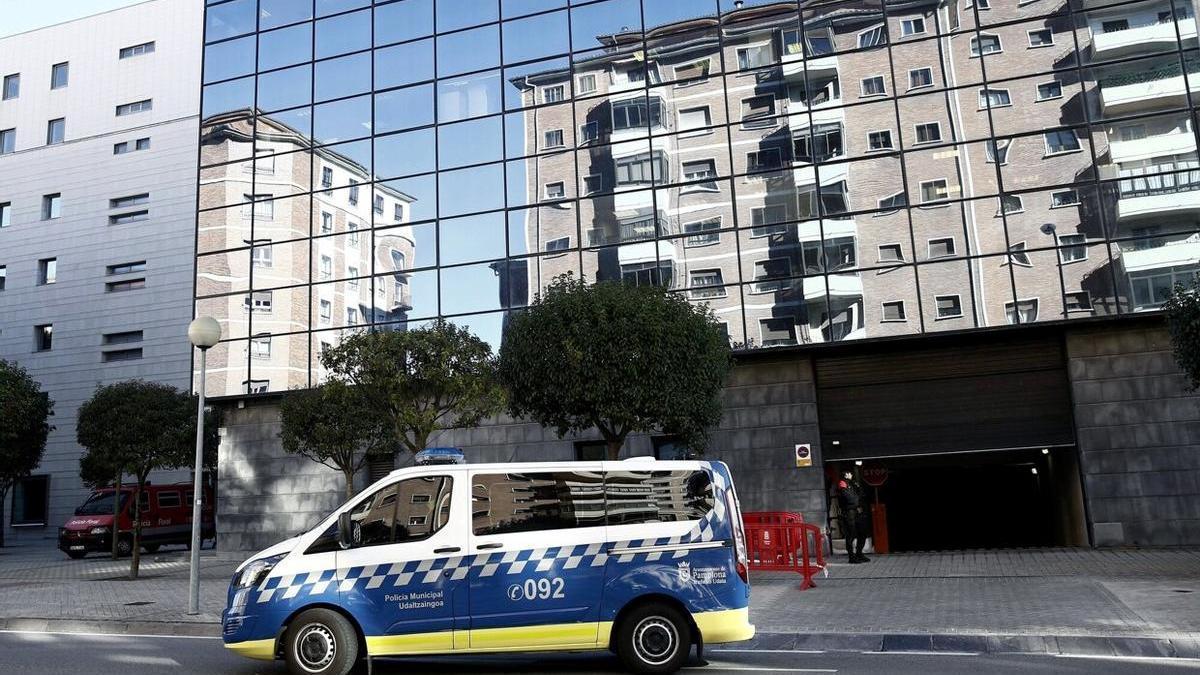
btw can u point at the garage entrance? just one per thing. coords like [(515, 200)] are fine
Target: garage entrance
[(973, 442)]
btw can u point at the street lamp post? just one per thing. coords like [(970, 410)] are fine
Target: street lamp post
[(203, 333)]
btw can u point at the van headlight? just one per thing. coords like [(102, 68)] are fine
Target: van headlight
[(99, 530), (254, 572)]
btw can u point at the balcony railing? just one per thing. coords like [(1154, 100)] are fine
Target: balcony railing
[(1161, 184), (625, 233), (1143, 76)]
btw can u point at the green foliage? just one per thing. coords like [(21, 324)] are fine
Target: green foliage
[(328, 425), (25, 411), (136, 427), (617, 357), (1183, 321), (419, 381)]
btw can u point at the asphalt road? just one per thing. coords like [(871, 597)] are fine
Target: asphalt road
[(54, 653)]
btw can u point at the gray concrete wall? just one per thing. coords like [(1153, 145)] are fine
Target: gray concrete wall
[(1138, 428)]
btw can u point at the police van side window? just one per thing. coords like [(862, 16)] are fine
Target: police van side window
[(635, 497), (168, 500), (410, 510), (525, 502)]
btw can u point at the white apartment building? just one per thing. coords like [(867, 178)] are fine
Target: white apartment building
[(98, 144)]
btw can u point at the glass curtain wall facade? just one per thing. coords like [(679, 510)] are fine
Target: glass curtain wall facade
[(812, 172)]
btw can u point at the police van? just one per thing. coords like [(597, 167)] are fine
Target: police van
[(642, 557)]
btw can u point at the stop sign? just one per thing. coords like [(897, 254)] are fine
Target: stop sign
[(874, 475)]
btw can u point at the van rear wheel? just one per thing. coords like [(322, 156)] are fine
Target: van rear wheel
[(654, 638), (321, 642)]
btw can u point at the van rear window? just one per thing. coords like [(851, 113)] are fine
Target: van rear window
[(555, 500)]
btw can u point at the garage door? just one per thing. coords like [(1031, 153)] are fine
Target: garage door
[(987, 395)]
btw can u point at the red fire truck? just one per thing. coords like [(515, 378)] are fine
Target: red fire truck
[(165, 512)]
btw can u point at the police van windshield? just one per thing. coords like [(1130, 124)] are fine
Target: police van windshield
[(100, 504)]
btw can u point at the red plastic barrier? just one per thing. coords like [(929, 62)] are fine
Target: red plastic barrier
[(781, 541)]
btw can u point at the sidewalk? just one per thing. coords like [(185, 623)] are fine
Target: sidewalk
[(1135, 602)]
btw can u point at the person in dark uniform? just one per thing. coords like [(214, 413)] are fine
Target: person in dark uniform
[(852, 517)]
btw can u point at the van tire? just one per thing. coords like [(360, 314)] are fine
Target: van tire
[(321, 642), (124, 547), (150, 548), (653, 638)]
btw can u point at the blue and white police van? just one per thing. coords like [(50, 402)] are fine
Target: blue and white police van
[(642, 557)]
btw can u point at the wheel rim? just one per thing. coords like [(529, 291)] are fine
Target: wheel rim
[(124, 547), (655, 639), (315, 648)]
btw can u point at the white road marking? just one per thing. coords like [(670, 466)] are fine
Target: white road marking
[(764, 651), (142, 660), (108, 635), (1148, 659), (917, 652), (764, 669)]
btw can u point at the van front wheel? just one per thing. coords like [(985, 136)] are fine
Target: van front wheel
[(321, 642), (654, 638)]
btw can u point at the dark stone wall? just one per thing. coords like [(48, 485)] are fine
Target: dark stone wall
[(1138, 431)]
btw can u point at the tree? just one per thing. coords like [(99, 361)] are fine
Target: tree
[(328, 425), (617, 357), (25, 411), (136, 427), (1183, 322), (419, 381)]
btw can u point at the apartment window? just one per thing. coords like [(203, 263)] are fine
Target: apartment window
[(702, 173), (1049, 90), (891, 253), (1079, 301), (693, 118), (59, 75), (777, 332), (130, 200), (758, 111), (1114, 25), (51, 206), (398, 212), (873, 86), (763, 160), (257, 386), (135, 107), (552, 139), (261, 206), (589, 132), (12, 86), (818, 144), (948, 306), (755, 56), (56, 131), (5, 214), (259, 301), (352, 236), (136, 50), (880, 140), (142, 144), (691, 72), (920, 77), (649, 274), (702, 232), (934, 191), (1063, 140), (126, 147), (637, 113), (1009, 204), (872, 37), (985, 43), (326, 222), (326, 269), (767, 220), (1021, 311), (8, 141), (326, 311), (1041, 38), (31, 500), (768, 273), (593, 183), (994, 98), (125, 268), (352, 273), (3, 276), (893, 202), (930, 132), (43, 337), (130, 217), (1064, 198), (641, 169), (326, 177), (941, 248), (351, 316), (894, 311), (558, 245), (996, 151), (122, 338), (586, 84), (635, 75), (377, 205), (122, 286), (553, 94), (1073, 248), (557, 190), (706, 284), (912, 27), (1018, 255)]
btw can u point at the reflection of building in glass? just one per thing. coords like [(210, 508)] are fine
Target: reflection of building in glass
[(259, 257)]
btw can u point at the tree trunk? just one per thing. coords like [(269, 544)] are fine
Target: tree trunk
[(614, 448), (348, 474), (136, 558), (116, 526), (3, 495)]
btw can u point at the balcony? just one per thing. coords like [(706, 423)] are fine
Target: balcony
[(645, 229), (1158, 195), (819, 62), (1144, 38), (1157, 254), (1174, 143), (1144, 90)]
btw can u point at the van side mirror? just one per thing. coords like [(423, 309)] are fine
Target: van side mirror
[(345, 539)]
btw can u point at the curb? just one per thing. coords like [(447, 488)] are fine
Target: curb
[(1054, 645), (205, 629)]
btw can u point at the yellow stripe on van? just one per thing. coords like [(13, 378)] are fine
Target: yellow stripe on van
[(729, 625), (438, 642), (254, 649)]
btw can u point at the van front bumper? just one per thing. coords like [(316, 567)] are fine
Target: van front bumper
[(75, 541), (727, 625)]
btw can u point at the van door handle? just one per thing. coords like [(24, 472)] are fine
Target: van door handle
[(448, 549), (484, 547)]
